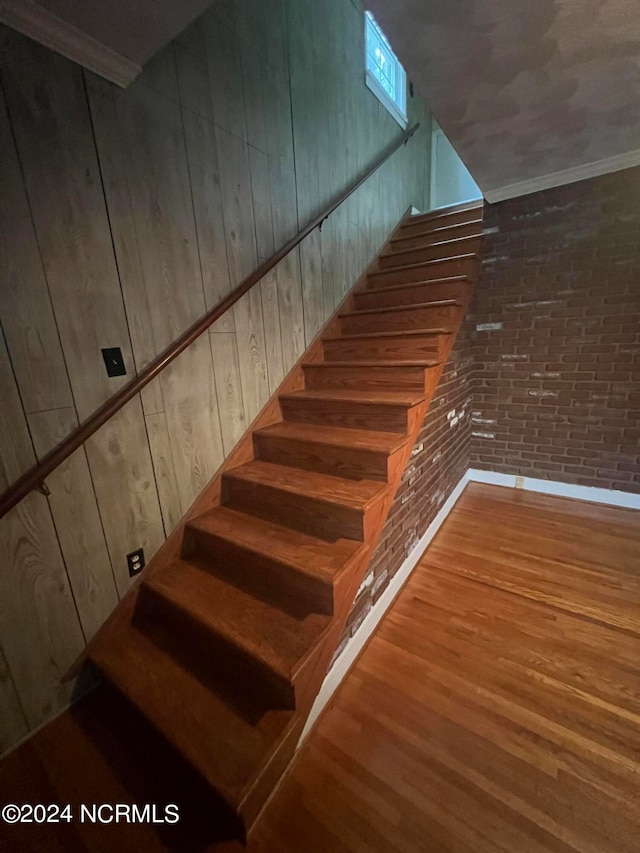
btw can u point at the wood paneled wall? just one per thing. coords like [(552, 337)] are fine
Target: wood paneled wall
[(124, 215)]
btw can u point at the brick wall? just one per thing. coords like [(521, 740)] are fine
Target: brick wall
[(440, 458), (556, 388), (546, 369)]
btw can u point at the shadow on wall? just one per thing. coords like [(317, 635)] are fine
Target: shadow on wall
[(451, 182)]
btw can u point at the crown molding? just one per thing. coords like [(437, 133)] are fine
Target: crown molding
[(565, 176), (33, 20)]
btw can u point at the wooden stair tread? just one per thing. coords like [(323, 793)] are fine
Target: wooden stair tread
[(390, 334), (303, 552), (437, 303), (443, 213), (227, 749), (454, 243), (377, 397), (453, 279), (359, 494), (276, 639), (469, 256), (361, 439), (431, 231), (425, 363)]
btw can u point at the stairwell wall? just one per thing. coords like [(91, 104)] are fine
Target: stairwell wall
[(124, 215)]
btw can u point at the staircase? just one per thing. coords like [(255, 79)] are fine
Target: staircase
[(224, 646)]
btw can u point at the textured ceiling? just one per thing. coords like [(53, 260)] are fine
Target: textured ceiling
[(525, 89)]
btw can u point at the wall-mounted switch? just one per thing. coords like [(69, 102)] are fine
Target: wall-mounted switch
[(135, 561), (113, 361)]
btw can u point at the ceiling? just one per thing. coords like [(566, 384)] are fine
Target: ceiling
[(533, 93), (114, 38)]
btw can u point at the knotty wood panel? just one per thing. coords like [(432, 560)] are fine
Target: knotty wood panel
[(48, 108), (209, 213), (25, 306), (77, 521), (228, 386), (164, 469), (122, 472), (14, 723), (112, 150), (40, 632)]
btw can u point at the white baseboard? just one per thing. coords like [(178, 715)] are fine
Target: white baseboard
[(348, 657), (613, 497)]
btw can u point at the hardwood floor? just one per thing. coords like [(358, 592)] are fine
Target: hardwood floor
[(497, 708)]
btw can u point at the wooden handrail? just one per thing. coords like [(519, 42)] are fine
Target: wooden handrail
[(34, 478)]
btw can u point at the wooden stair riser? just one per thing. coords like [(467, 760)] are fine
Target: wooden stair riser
[(429, 221), (423, 272), (411, 294), (380, 348), (272, 581), (304, 512), (407, 319), (350, 462), (216, 659), (437, 251), (364, 378), (437, 235), (315, 671), (346, 413)]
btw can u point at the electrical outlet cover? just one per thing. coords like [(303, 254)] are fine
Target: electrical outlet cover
[(135, 562)]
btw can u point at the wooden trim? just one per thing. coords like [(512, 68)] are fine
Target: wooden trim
[(33, 20), (566, 176), (34, 478)]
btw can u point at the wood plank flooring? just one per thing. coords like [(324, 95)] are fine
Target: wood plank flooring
[(497, 708)]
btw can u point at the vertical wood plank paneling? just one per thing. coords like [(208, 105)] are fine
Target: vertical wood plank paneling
[(252, 353), (225, 77), (261, 193), (306, 120), (39, 627), (272, 329), (164, 469), (77, 521), (157, 169), (120, 463), (146, 206), (48, 109), (290, 305), (208, 210), (14, 723), (189, 391), (193, 71), (253, 81), (112, 152), (229, 389), (51, 117), (239, 225), (25, 307)]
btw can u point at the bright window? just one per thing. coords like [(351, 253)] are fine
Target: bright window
[(384, 75)]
